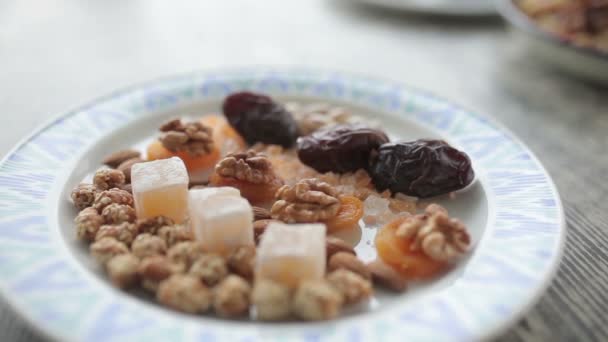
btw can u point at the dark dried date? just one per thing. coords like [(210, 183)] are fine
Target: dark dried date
[(341, 148), (259, 119), (421, 168)]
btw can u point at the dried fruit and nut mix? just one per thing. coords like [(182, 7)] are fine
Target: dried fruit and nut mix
[(253, 238)]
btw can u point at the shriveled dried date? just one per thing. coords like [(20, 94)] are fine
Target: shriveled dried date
[(341, 148), (421, 168)]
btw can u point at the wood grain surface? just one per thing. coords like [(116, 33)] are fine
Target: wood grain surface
[(59, 54)]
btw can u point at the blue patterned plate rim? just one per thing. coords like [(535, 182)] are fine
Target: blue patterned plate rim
[(512, 266)]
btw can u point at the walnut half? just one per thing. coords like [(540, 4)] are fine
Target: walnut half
[(247, 166), (309, 200), (192, 137), (440, 237)]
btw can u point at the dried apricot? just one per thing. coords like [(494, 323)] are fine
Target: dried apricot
[(156, 150), (395, 251), (349, 214), (254, 193), (224, 135)]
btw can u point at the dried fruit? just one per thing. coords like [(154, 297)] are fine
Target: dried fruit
[(259, 119), (118, 157), (232, 296), (340, 148), (421, 168), (344, 260), (184, 293)]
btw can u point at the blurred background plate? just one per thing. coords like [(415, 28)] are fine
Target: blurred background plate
[(442, 7), (587, 63)]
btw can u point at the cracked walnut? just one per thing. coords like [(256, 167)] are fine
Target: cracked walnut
[(309, 200)]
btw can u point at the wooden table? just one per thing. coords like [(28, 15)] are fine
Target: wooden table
[(56, 55)]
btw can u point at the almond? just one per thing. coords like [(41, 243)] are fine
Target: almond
[(334, 245), (125, 167), (259, 227), (386, 276), (260, 213), (350, 262), (118, 157)]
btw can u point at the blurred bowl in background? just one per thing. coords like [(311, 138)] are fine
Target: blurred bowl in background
[(467, 8), (585, 62)]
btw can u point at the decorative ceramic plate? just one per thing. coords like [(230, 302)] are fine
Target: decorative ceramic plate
[(513, 212), (441, 7)]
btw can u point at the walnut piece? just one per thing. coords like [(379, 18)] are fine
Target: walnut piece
[(232, 296), (104, 249), (154, 269), (191, 137), (174, 234), (316, 300), (118, 213), (272, 300), (122, 270), (118, 157), (242, 260), (184, 254), (107, 197), (151, 225), (105, 179), (184, 293), (83, 195), (124, 232), (440, 237), (309, 200), (353, 287), (146, 245), (88, 222), (247, 166), (209, 268)]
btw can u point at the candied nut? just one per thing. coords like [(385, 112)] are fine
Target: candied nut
[(154, 269), (272, 300), (146, 244), (87, 223), (334, 245), (107, 197), (387, 276), (210, 268), (124, 232), (118, 157), (105, 179), (232, 296), (259, 227), (247, 166), (316, 300), (192, 137), (183, 254), (151, 225), (122, 270), (353, 287), (440, 237), (260, 213), (350, 262), (83, 195), (118, 213), (309, 200), (127, 187), (104, 249), (174, 234), (242, 260), (184, 293), (125, 167)]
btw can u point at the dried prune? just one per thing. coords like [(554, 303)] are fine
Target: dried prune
[(259, 119), (421, 168), (340, 148)]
